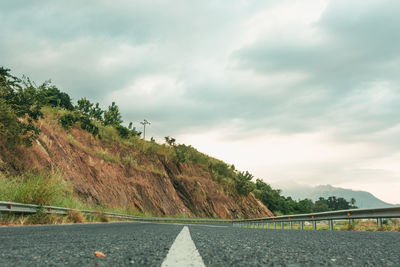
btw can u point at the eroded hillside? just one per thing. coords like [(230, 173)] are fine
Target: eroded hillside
[(113, 172)]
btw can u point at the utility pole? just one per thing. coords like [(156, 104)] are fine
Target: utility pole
[(144, 122)]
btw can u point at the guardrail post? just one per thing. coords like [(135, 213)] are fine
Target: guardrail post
[(267, 225), (379, 222), (331, 225), (314, 225), (282, 225), (301, 225), (275, 225), (291, 225)]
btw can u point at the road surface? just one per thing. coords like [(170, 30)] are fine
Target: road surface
[(154, 244)]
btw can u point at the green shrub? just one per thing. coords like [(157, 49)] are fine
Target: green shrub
[(67, 120), (123, 131), (243, 183), (88, 125)]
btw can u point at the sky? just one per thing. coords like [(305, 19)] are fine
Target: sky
[(301, 92)]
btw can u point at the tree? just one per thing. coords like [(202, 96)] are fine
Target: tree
[(89, 109), (170, 141), (19, 109), (243, 183), (269, 196), (50, 95), (96, 112), (84, 106), (112, 116)]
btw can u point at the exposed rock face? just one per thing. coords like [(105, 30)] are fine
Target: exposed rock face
[(119, 175)]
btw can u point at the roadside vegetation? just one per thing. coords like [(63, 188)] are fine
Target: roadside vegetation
[(50, 190), (23, 103)]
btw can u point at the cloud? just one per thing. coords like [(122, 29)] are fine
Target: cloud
[(247, 74), (350, 68)]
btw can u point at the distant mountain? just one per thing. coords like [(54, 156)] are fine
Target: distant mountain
[(363, 199)]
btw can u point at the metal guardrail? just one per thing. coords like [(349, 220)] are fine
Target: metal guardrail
[(379, 214), (331, 216), (31, 209)]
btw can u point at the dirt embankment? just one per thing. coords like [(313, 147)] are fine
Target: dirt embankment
[(117, 175)]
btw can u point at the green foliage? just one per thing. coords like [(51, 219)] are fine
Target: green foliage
[(269, 196), (50, 95), (68, 120), (112, 116), (126, 132), (277, 203), (84, 106), (88, 125), (40, 189), (123, 131), (220, 169), (333, 203), (243, 183), (19, 109), (89, 109)]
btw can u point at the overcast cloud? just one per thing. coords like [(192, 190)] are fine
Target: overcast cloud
[(293, 91)]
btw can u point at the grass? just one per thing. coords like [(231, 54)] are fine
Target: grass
[(50, 190), (107, 156), (40, 189)]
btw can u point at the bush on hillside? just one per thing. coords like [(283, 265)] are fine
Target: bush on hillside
[(243, 183), (19, 109), (50, 95)]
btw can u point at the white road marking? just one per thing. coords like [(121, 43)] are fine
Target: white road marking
[(185, 224), (183, 251)]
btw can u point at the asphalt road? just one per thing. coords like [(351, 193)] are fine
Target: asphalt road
[(147, 244)]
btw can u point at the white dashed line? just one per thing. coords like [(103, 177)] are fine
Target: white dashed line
[(183, 251)]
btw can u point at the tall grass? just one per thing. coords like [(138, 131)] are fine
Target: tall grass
[(40, 189)]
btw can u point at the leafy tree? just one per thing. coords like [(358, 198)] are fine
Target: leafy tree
[(19, 109), (321, 205), (269, 196), (84, 106), (89, 109), (96, 112), (243, 183), (112, 116), (50, 95)]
